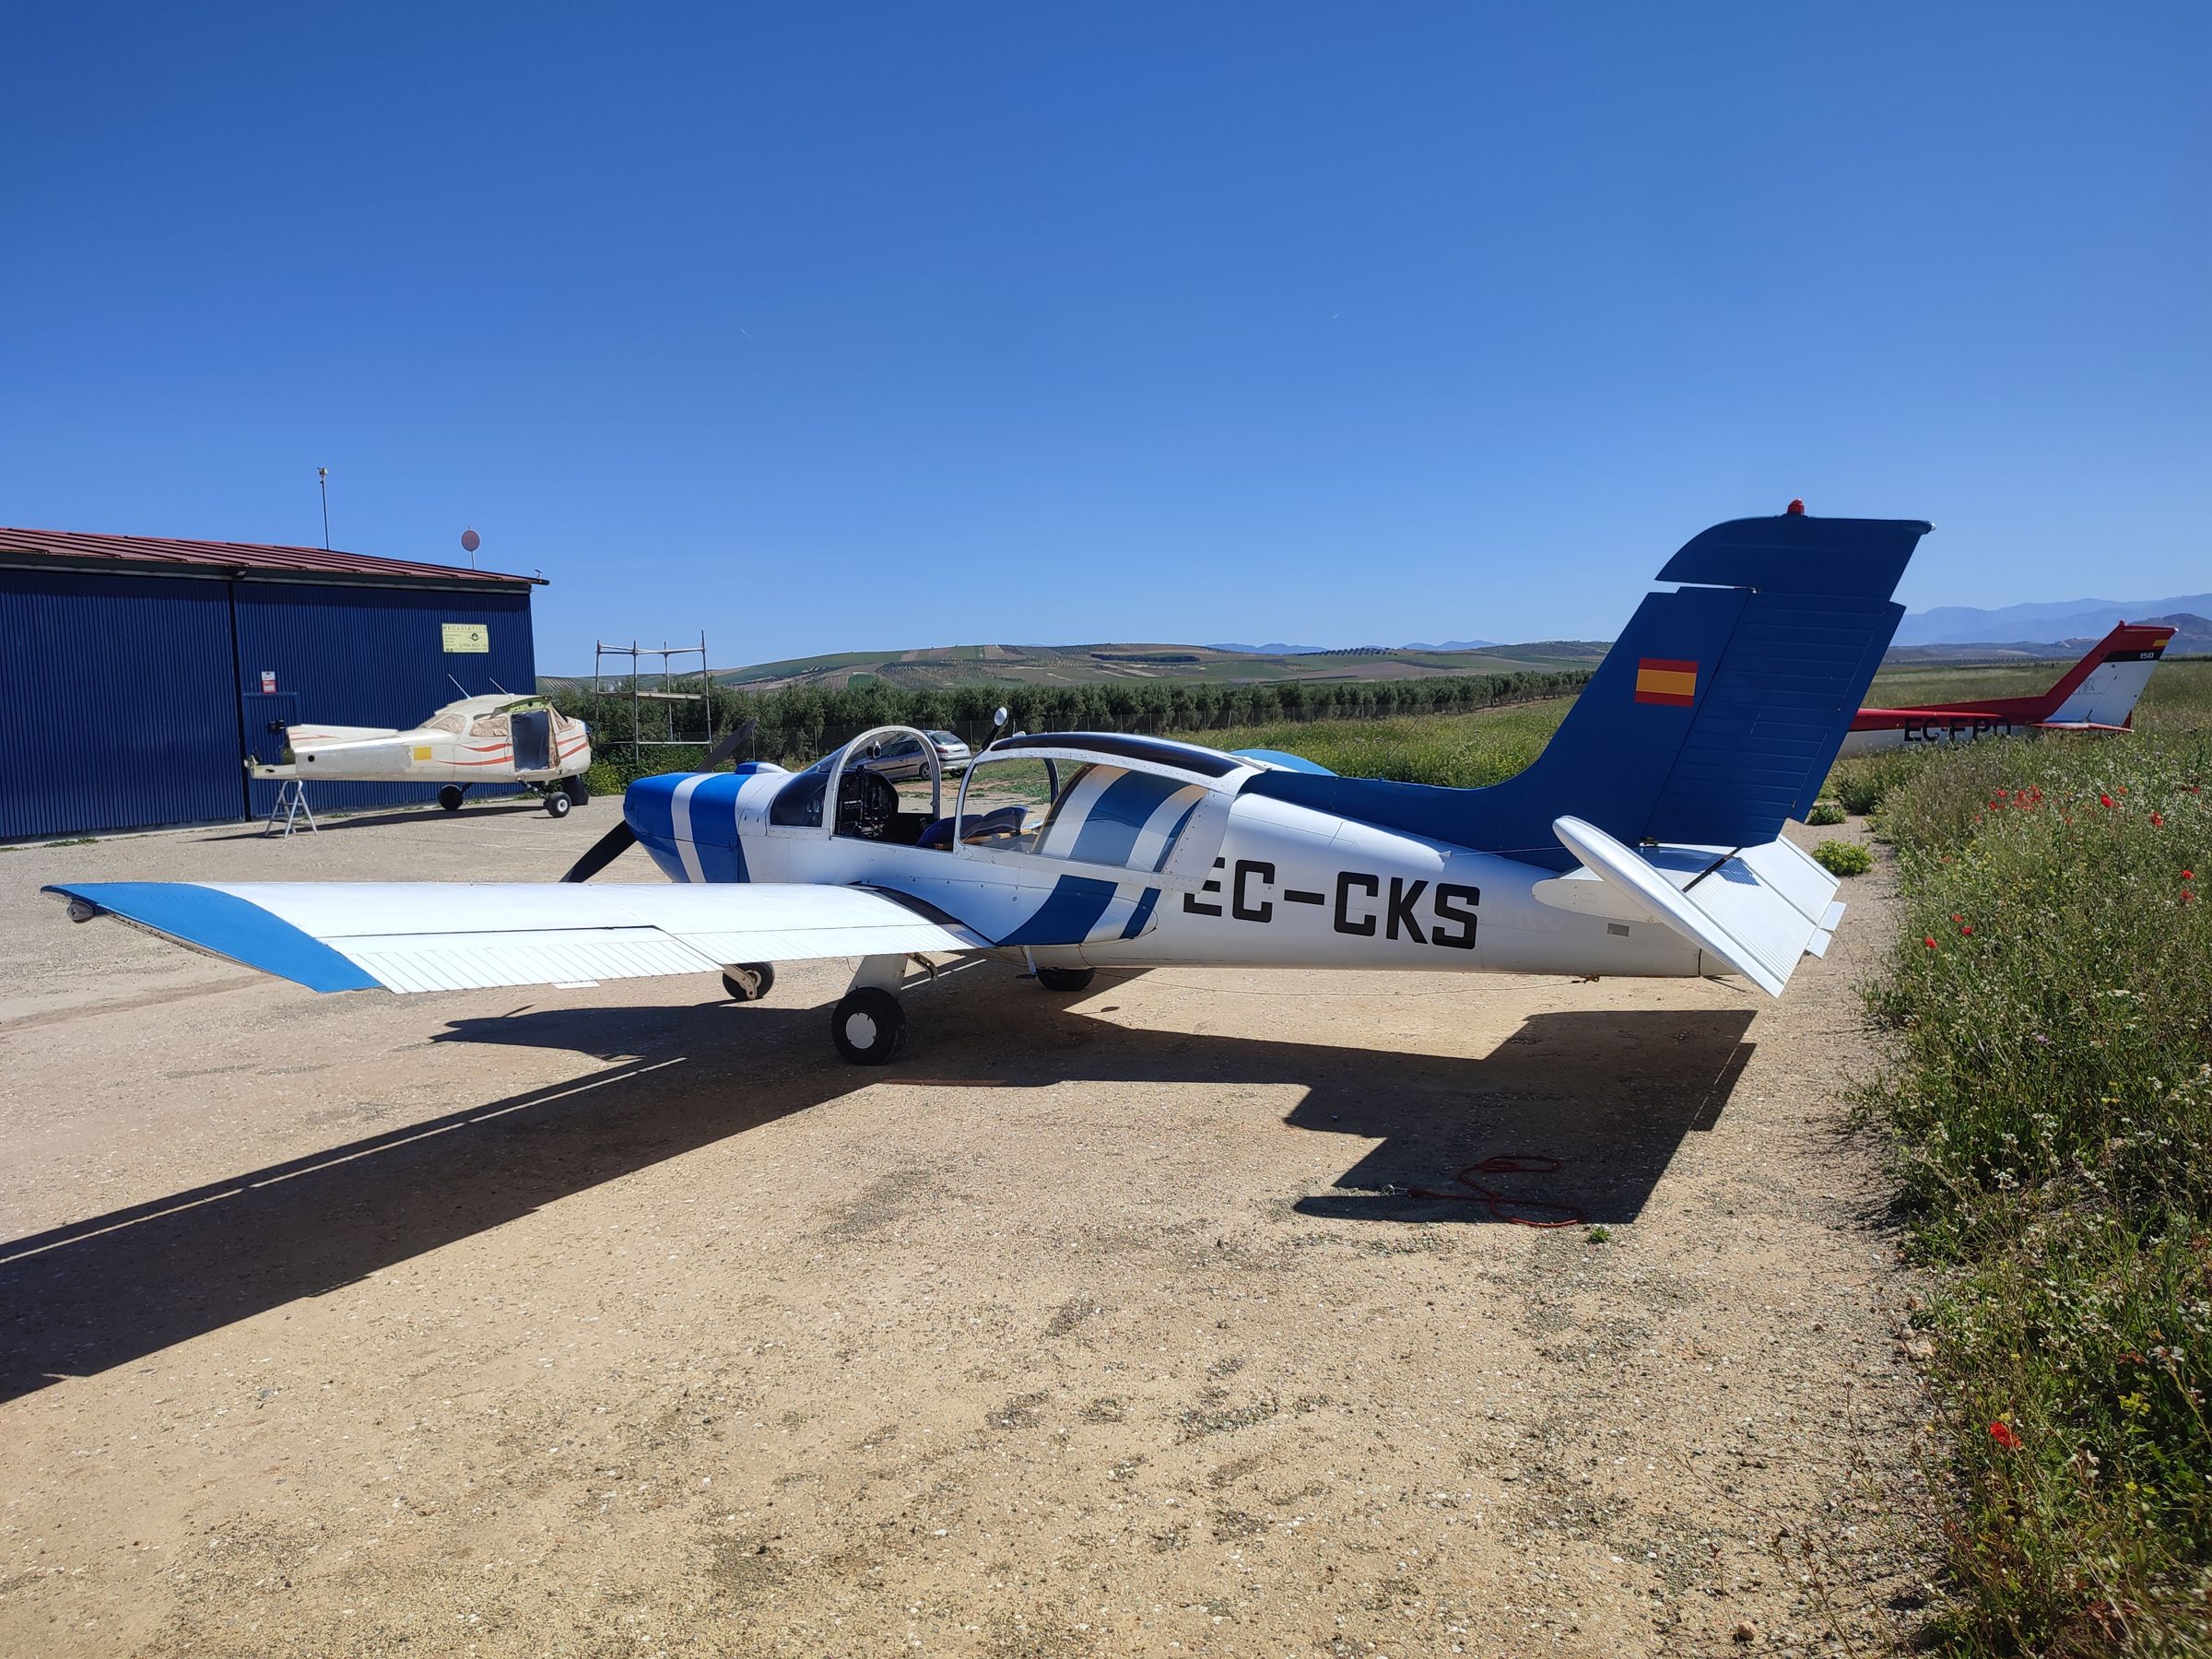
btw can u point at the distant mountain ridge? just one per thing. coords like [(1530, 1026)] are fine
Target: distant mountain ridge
[(2056, 619)]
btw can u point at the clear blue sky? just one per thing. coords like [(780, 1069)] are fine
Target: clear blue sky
[(871, 325)]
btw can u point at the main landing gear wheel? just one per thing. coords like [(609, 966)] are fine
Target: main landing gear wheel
[(1065, 979), (450, 797), (749, 982), (558, 802), (868, 1026)]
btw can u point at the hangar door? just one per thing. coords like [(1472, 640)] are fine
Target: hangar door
[(122, 704), (378, 656)]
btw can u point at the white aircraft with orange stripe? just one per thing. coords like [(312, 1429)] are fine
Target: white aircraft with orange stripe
[(479, 740), (1645, 841)]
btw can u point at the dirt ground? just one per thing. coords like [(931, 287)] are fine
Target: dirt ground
[(627, 1320)]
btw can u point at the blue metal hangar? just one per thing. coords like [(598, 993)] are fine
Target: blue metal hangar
[(139, 673)]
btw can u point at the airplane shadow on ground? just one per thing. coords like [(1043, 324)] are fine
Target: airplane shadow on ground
[(1609, 1093)]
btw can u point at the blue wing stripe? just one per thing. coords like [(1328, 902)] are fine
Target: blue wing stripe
[(229, 927)]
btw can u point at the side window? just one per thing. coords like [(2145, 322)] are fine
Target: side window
[(1087, 813), (1010, 801)]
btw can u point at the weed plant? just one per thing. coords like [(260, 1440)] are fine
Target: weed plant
[(2048, 1006), (1844, 858)]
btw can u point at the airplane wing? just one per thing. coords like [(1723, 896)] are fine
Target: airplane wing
[(1755, 909), (456, 935)]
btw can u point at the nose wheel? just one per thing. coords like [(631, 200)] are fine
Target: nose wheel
[(869, 1026), (749, 982)]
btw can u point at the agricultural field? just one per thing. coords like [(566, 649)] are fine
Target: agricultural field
[(1470, 749), (1461, 750), (936, 669)]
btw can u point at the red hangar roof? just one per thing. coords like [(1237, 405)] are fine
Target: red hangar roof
[(165, 556)]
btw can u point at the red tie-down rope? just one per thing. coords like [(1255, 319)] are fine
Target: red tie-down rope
[(1500, 1204)]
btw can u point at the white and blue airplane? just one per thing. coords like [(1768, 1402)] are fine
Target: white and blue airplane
[(1645, 841)]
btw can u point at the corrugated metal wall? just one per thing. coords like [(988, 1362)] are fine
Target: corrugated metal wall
[(126, 700), (121, 710), (375, 656)]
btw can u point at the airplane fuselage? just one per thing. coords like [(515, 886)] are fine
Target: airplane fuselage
[(1288, 887)]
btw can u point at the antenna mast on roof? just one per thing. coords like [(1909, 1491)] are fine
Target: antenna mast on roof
[(323, 478)]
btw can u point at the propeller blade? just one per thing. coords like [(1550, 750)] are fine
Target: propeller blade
[(729, 746), (603, 851)]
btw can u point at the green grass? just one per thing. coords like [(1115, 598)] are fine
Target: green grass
[(2179, 698), (1461, 750), (2047, 1010)]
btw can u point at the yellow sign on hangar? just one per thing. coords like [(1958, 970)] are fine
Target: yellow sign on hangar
[(466, 636)]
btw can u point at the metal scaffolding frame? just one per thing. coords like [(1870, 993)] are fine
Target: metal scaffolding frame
[(667, 697)]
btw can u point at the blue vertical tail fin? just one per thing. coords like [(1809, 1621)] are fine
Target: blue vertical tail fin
[(1714, 717)]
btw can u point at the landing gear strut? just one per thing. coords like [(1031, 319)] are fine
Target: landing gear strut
[(749, 982)]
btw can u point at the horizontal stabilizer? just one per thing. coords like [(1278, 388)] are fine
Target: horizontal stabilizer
[(1755, 909), (455, 936)]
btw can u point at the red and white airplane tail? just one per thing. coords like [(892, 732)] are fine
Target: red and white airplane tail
[(2098, 694)]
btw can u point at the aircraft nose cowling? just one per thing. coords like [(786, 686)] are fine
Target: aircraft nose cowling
[(688, 821)]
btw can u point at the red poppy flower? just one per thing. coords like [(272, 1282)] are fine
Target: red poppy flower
[(2186, 895), (1968, 929), (1957, 917), (2104, 800), (2188, 874), (2157, 820), (1929, 941), (2002, 1434)]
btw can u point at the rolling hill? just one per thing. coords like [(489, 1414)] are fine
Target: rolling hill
[(937, 667), (940, 666)]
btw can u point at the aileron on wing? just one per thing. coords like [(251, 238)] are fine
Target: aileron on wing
[(452, 935)]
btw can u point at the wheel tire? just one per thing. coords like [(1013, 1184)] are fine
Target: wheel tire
[(450, 797), (1066, 979), (868, 1026), (579, 791), (558, 802), (762, 976)]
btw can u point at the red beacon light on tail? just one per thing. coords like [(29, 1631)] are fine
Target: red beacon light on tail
[(1795, 509)]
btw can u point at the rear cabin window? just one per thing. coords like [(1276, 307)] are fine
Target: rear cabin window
[(1086, 812)]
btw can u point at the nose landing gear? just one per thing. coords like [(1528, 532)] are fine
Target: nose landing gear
[(749, 982)]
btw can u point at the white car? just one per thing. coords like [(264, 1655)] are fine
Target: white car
[(901, 757)]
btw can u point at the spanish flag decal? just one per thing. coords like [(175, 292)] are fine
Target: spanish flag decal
[(1661, 681)]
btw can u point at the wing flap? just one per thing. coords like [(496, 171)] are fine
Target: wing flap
[(411, 936)]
